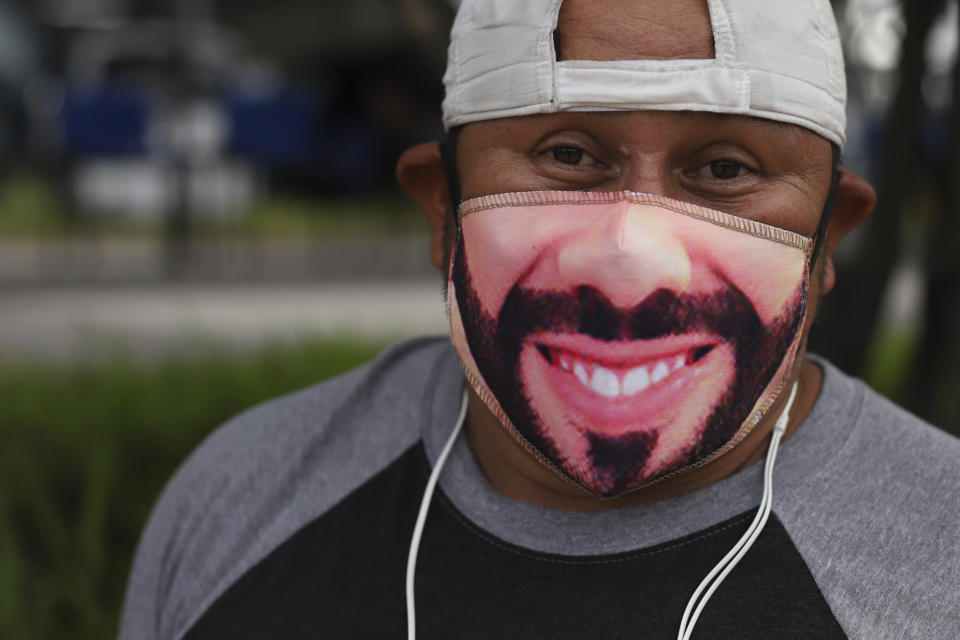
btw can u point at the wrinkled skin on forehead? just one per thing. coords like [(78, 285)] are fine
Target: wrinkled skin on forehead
[(630, 30)]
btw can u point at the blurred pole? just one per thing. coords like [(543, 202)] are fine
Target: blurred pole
[(935, 380), (851, 312), (188, 17), (177, 228)]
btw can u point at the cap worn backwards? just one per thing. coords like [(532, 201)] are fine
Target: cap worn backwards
[(775, 60)]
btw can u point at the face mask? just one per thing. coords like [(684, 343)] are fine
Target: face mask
[(624, 338)]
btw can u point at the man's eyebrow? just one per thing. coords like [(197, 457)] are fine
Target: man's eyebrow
[(763, 123)]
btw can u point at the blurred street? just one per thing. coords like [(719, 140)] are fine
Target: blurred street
[(85, 301)]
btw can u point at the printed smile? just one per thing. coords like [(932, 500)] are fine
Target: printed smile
[(622, 386), (622, 379)]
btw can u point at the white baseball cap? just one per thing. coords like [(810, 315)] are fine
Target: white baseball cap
[(774, 59)]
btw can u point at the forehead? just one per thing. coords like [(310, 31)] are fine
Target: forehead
[(632, 30), (651, 130)]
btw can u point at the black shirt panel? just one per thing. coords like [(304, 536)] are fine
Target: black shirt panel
[(342, 576)]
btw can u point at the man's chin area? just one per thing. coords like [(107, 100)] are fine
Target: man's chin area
[(624, 412)]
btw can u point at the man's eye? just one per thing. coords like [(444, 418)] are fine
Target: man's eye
[(568, 155), (726, 169)]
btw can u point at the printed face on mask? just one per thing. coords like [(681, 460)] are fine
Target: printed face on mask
[(623, 337)]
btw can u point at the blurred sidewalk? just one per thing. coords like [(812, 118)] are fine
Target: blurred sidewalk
[(86, 300), (142, 261)]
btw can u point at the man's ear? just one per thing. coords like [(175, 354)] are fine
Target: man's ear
[(852, 205), (420, 172)]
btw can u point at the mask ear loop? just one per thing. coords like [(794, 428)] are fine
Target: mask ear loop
[(422, 518), (719, 573), (820, 235), (448, 158)]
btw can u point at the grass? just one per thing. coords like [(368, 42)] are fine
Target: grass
[(31, 208), (888, 361), (291, 216), (85, 451)]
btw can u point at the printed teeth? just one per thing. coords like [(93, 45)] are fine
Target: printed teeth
[(611, 382)]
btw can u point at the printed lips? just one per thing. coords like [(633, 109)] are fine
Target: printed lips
[(611, 388), (616, 379)]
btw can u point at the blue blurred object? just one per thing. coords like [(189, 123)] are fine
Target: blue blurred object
[(104, 121), (349, 153), (275, 129)]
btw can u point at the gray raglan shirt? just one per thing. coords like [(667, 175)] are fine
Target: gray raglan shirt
[(293, 520)]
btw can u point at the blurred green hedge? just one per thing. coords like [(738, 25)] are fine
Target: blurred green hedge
[(84, 453)]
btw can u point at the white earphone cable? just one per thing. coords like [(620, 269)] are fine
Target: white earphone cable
[(707, 586), (717, 575), (422, 517)]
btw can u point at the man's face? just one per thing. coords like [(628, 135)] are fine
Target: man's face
[(715, 312), (642, 337)]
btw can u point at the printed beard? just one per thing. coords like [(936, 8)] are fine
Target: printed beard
[(730, 338)]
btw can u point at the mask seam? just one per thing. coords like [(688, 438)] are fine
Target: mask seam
[(719, 218)]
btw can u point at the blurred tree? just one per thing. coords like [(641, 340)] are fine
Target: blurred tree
[(851, 313), (932, 387)]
